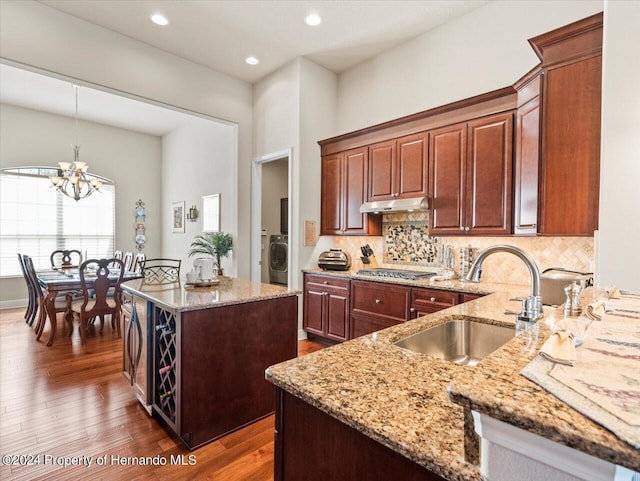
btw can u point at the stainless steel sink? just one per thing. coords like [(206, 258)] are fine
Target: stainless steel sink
[(459, 341)]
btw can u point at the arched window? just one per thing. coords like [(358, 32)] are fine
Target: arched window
[(36, 219)]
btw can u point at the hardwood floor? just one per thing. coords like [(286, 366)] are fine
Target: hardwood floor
[(72, 402)]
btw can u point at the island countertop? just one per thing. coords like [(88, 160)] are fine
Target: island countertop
[(400, 398), (179, 297)]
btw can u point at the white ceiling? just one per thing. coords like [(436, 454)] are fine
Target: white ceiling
[(220, 34), (41, 92)]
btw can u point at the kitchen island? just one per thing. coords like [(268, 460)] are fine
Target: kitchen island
[(395, 404), (196, 356)]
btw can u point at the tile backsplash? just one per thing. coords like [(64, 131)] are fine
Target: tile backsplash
[(406, 241)]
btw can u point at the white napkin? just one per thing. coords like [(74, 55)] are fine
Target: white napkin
[(559, 348), (595, 310)]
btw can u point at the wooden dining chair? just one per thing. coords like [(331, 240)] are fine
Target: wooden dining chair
[(138, 262), (62, 302), (32, 300), (127, 260), (103, 297), (117, 255), (66, 258), (161, 271)]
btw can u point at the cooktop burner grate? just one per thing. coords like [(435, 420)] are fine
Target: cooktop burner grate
[(395, 273)]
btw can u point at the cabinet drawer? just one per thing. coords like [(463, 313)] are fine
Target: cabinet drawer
[(362, 325), (329, 281), (466, 297), (379, 299), (431, 300)]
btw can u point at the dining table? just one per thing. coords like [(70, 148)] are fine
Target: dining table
[(63, 280)]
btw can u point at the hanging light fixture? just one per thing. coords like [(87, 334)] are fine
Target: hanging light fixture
[(72, 179)]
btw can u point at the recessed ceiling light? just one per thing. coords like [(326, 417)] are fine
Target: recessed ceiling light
[(252, 60), (159, 19), (313, 20)]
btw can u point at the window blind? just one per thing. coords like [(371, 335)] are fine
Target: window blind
[(36, 219)]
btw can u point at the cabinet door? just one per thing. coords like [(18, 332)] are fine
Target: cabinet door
[(570, 177), (337, 308), (447, 149), (355, 191), (382, 175), (412, 166), (527, 163), (331, 195), (313, 310), (488, 175)]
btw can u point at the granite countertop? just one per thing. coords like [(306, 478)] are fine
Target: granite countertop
[(230, 291), (404, 399)]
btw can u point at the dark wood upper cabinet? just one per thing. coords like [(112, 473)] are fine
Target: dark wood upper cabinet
[(571, 60), (488, 175), (462, 155), (398, 168), (331, 194), (527, 155), (343, 191), (412, 166), (447, 159), (470, 185), (382, 172)]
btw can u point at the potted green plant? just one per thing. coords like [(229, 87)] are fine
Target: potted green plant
[(214, 244)]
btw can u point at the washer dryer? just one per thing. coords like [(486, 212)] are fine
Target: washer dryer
[(278, 259)]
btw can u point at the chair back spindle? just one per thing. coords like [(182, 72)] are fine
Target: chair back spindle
[(127, 260), (161, 271)]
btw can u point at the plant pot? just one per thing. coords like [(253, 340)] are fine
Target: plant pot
[(220, 272)]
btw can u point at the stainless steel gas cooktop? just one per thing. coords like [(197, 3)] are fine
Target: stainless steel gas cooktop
[(395, 273)]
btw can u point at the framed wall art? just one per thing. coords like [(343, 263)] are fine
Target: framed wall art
[(177, 217)]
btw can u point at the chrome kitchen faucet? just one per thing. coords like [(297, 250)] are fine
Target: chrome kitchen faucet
[(532, 305)]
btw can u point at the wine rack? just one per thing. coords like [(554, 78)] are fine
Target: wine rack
[(165, 355)]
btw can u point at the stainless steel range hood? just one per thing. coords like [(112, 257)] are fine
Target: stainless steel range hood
[(395, 205)]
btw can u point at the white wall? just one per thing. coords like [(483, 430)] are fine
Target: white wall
[(36, 35), (619, 237), (197, 160), (130, 159), (295, 107), (318, 114), (484, 50)]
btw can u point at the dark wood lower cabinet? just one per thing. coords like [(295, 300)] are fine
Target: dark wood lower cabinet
[(209, 364), (312, 446)]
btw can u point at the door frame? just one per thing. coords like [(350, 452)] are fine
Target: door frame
[(256, 212)]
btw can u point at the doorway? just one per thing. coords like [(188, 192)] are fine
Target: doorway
[(271, 219)]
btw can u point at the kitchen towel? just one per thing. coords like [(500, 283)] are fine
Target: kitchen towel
[(604, 383), (560, 347)]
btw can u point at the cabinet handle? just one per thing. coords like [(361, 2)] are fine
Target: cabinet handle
[(413, 309), (378, 301), (466, 229), (326, 282), (461, 228), (433, 299)]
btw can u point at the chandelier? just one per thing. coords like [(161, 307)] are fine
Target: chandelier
[(72, 179)]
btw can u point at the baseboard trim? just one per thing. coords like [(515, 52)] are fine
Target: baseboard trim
[(13, 303)]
